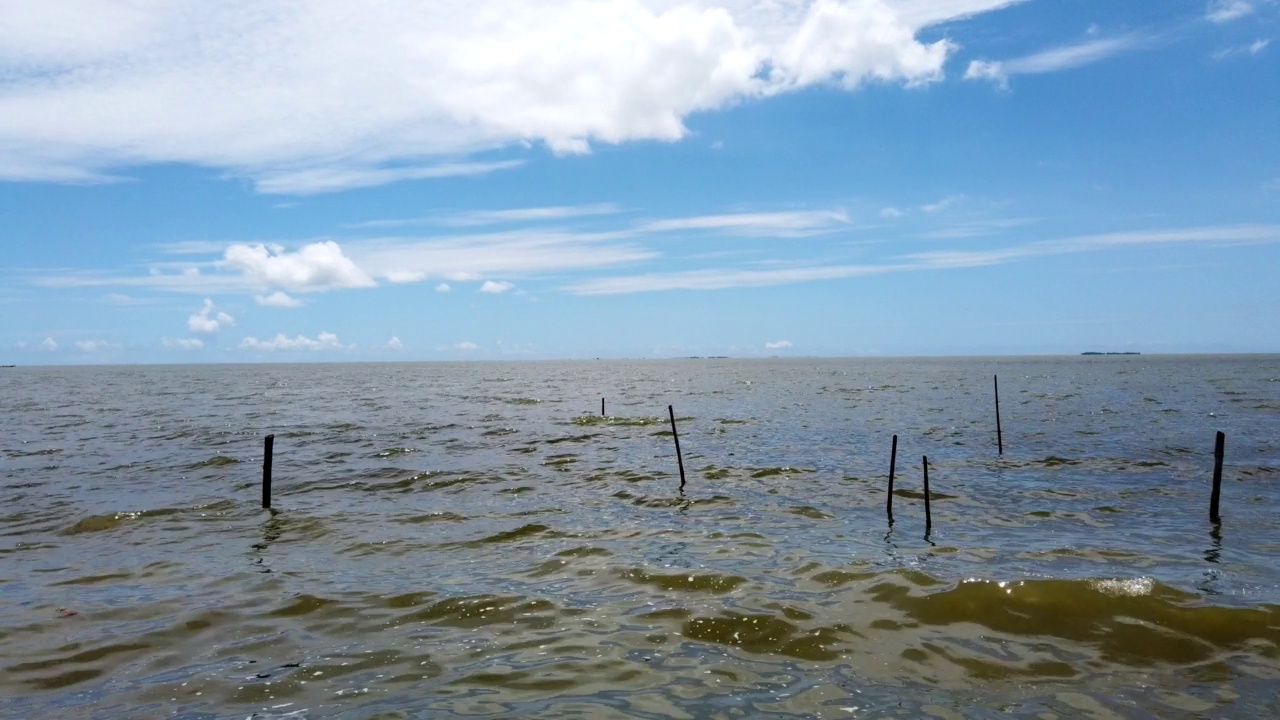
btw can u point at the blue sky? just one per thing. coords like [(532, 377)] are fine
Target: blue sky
[(490, 179)]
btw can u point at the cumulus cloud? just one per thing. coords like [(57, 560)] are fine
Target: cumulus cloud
[(325, 95), (278, 299), (443, 287), (496, 288), (317, 266), (780, 345), (891, 212), (281, 342), (208, 320), (394, 343), (182, 343), (464, 346), (1224, 11)]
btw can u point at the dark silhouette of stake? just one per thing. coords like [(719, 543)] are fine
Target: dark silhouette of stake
[(601, 407), (999, 437), (674, 434), (893, 460), (928, 514), (267, 446), (1219, 451)]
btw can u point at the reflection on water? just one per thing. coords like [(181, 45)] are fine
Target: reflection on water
[(474, 539)]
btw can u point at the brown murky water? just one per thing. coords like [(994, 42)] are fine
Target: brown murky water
[(474, 539)]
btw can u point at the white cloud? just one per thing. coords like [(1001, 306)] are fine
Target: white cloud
[(1053, 60), (464, 346), (48, 344), (317, 266), (780, 345), (1252, 49), (208, 320), (278, 299), (779, 223), (723, 278), (182, 343), (719, 279), (495, 217), (319, 180), (322, 95), (443, 287), (496, 288), (1272, 185), (1224, 11), (943, 204), (281, 342), (394, 343), (93, 346), (891, 212)]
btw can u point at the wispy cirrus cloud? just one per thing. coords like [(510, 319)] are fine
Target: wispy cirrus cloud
[(775, 224), (725, 278), (495, 217), (1056, 59), (313, 97), (1225, 11), (1252, 49)]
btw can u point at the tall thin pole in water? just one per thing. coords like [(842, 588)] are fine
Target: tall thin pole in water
[(893, 460), (676, 436), (928, 514), (999, 437), (601, 407), (1219, 452), (268, 445)]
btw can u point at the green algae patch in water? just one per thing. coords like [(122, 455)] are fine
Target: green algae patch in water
[(685, 582), (1054, 461), (1136, 622), (216, 461), (809, 512), (778, 471), (764, 634)]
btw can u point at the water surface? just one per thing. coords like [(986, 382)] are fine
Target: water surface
[(456, 540)]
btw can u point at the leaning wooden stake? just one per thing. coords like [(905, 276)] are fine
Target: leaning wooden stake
[(928, 514), (1219, 451), (999, 437), (267, 447), (893, 460), (674, 434)]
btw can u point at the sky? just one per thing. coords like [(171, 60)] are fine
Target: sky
[(275, 181)]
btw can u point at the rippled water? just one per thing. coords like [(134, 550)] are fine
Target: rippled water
[(474, 539)]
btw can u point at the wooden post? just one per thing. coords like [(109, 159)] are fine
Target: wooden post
[(893, 460), (601, 407), (676, 436), (1219, 451), (928, 514), (267, 447), (999, 437)]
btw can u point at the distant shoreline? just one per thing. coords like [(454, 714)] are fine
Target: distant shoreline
[(1110, 353)]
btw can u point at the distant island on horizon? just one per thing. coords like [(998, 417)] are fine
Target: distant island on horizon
[(1091, 352)]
